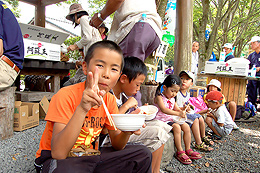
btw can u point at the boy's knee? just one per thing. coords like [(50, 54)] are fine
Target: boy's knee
[(232, 104), (208, 120)]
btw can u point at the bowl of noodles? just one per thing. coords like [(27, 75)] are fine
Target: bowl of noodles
[(150, 111), (129, 122)]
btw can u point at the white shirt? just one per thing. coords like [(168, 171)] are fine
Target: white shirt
[(89, 34), (181, 100), (224, 116), (129, 13), (195, 62)]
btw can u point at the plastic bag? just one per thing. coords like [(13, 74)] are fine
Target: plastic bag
[(198, 103)]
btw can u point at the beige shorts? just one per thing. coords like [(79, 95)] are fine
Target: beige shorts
[(153, 135), (7, 75)]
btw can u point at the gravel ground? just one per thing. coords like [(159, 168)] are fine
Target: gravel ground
[(238, 152)]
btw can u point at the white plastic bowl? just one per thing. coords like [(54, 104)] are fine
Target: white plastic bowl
[(128, 122), (150, 111)]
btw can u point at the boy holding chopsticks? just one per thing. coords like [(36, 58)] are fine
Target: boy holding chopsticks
[(202, 142), (76, 117)]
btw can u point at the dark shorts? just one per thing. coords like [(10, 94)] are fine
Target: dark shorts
[(141, 41), (171, 123), (134, 158)]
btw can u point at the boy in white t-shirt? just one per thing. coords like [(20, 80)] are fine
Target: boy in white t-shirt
[(219, 119), (196, 121)]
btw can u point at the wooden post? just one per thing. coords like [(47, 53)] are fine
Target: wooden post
[(183, 38), (40, 14)]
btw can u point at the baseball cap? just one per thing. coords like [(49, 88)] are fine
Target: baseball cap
[(189, 73), (228, 45), (253, 39), (214, 96), (215, 83)]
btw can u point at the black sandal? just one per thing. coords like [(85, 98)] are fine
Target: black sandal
[(207, 141)]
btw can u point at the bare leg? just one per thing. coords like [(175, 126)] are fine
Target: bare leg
[(177, 136), (196, 131), (156, 161), (232, 109), (202, 127), (186, 135), (209, 123)]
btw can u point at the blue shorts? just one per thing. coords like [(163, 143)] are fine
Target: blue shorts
[(193, 117)]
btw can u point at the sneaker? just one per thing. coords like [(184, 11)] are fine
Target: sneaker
[(235, 127)]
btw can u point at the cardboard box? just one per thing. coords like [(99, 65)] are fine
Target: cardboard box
[(42, 43), (197, 90), (238, 69), (44, 106), (26, 115)]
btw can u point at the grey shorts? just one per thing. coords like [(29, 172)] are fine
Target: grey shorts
[(223, 131), (141, 41)]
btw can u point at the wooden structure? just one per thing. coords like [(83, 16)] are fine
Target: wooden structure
[(42, 67), (40, 9), (6, 112), (233, 87)]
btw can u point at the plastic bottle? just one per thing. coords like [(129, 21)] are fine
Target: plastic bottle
[(222, 57), (253, 71), (150, 74), (143, 18)]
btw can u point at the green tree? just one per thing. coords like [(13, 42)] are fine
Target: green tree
[(229, 20), (13, 5)]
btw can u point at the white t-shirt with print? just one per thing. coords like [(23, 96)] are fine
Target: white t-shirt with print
[(224, 116)]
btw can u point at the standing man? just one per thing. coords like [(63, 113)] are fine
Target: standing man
[(195, 57), (11, 47), (228, 51), (254, 59), (134, 37)]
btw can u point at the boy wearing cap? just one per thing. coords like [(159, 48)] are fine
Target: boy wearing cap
[(215, 85), (198, 126), (228, 51), (254, 59), (219, 119)]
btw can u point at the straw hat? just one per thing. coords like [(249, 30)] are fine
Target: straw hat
[(75, 8)]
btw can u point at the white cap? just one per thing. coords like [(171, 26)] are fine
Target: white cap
[(189, 73), (253, 39), (228, 45), (215, 83)]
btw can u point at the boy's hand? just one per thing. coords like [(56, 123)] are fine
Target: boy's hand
[(209, 114), (131, 103), (91, 95)]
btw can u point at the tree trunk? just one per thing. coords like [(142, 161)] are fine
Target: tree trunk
[(183, 39)]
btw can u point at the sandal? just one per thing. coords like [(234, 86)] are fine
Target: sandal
[(207, 141), (193, 155), (216, 137), (183, 158), (203, 147)]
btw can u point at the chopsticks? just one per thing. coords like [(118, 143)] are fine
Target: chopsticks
[(108, 114)]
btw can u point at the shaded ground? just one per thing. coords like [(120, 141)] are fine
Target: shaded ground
[(239, 152)]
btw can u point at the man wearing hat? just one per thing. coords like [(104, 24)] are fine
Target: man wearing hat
[(254, 59), (228, 51), (89, 34)]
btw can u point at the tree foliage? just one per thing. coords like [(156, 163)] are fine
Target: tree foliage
[(13, 5), (230, 21)]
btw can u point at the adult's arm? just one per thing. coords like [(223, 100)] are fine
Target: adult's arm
[(110, 7)]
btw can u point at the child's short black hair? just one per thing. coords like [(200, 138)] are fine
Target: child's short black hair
[(134, 67), (103, 44)]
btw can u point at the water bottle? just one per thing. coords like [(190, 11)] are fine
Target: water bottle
[(222, 57), (143, 18), (253, 71)]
